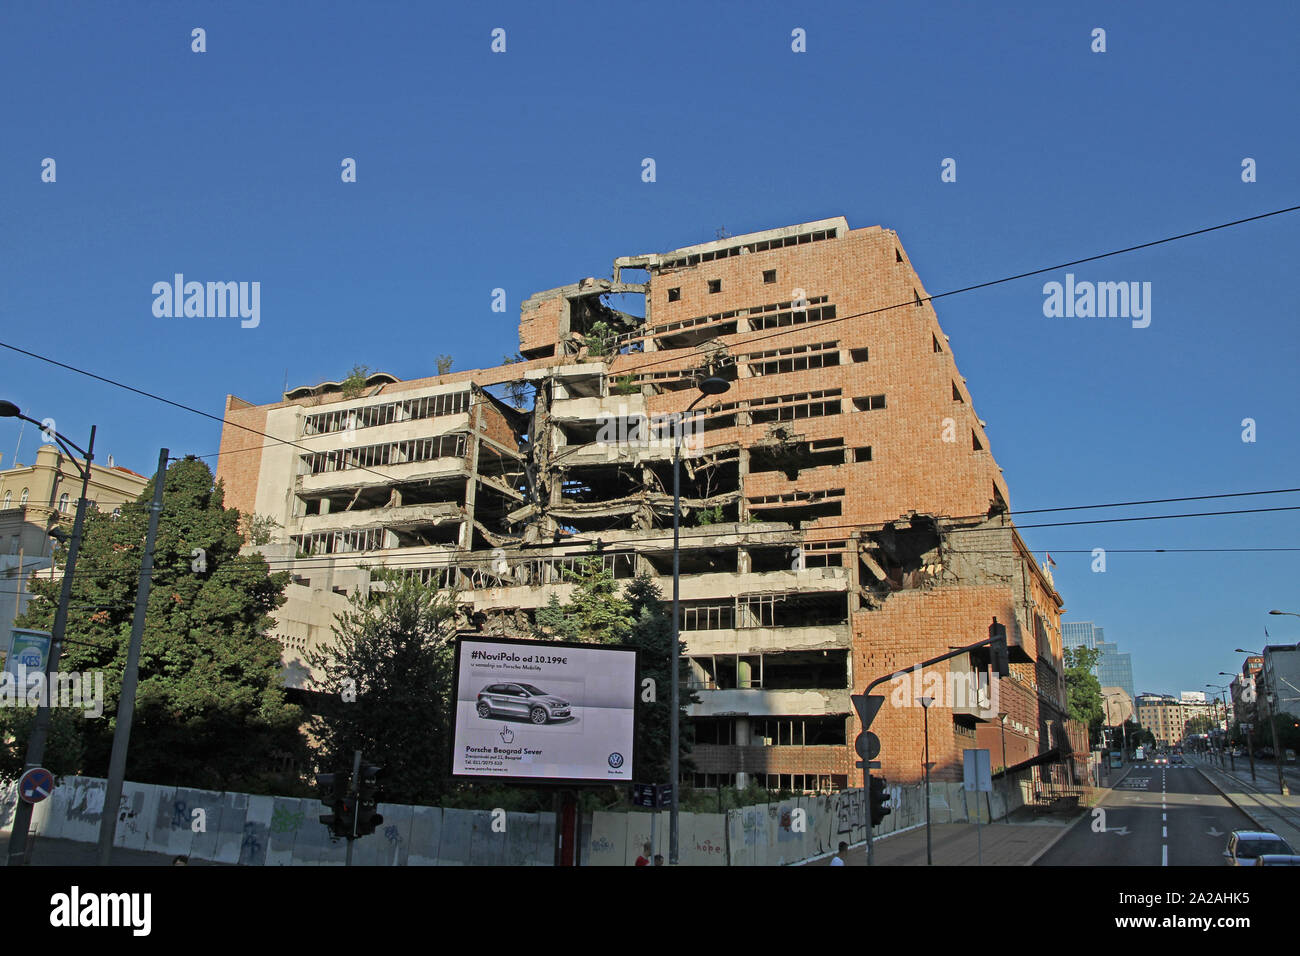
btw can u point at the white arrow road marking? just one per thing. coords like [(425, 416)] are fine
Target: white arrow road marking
[(1122, 831), (1214, 832)]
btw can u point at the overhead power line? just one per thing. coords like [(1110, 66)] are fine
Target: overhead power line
[(779, 332)]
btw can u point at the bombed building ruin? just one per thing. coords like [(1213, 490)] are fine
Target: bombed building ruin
[(842, 516)]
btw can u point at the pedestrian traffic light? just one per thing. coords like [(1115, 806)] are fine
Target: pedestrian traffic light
[(334, 794), (1001, 659), (879, 801), (368, 801)]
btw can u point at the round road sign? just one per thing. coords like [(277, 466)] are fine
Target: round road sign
[(35, 785)]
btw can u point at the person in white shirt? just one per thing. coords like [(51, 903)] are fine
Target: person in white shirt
[(838, 858)]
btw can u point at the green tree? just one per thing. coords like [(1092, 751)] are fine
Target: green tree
[(652, 636), (597, 613), (1084, 689), (210, 708), (1198, 725), (355, 383), (600, 339), (388, 675), (444, 363)]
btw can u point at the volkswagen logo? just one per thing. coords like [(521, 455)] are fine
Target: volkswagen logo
[(616, 760)]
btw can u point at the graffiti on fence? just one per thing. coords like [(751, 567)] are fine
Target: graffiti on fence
[(284, 820)]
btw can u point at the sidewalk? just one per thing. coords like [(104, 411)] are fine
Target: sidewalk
[(52, 852), (1018, 843), (1260, 800)]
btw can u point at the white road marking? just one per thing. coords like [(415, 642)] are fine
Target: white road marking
[(1164, 855)]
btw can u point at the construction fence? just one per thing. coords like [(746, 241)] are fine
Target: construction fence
[(249, 830)]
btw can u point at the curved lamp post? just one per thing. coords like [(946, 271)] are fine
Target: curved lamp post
[(41, 725), (708, 386)]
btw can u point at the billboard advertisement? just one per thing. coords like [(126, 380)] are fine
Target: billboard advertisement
[(543, 711), (27, 652)]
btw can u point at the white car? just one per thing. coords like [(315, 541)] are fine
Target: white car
[(1246, 846)]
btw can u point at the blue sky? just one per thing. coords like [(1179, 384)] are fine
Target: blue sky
[(522, 171)]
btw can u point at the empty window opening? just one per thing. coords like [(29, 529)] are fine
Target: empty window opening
[(797, 732), (975, 441), (769, 276), (935, 339), (917, 296), (898, 256), (368, 416), (792, 457), (796, 358), (704, 616), (862, 454), (956, 394), (675, 294), (858, 355), (823, 554), (785, 408), (715, 285), (800, 670), (867, 403), (792, 317), (419, 449), (798, 506), (907, 554), (715, 730)]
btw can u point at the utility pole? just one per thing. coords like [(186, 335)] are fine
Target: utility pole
[(131, 675), (41, 725)]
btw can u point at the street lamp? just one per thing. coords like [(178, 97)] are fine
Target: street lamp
[(1006, 777), (1221, 688), (1250, 741), (925, 703), (1271, 698), (708, 386), (41, 725), (1291, 613)]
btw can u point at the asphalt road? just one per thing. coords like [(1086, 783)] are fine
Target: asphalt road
[(1155, 816)]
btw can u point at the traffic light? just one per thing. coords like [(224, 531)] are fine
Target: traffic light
[(1001, 659), (334, 794), (879, 801), (368, 801)]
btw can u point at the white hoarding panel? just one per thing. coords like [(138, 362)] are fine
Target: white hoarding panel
[(543, 711)]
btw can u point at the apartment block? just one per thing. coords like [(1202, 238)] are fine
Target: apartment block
[(37, 499), (843, 517)]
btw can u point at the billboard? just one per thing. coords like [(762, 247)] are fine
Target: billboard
[(27, 652), (543, 711)]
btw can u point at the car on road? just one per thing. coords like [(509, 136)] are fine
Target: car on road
[(521, 700), (1162, 761), (1277, 859), (1176, 758), (1246, 846)]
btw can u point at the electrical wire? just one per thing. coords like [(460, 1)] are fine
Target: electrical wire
[(785, 331), (481, 559)]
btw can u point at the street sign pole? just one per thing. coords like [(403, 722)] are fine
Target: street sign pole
[(354, 796)]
